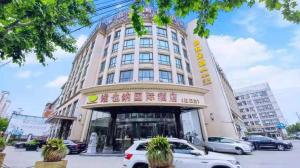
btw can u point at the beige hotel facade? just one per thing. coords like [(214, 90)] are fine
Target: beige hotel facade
[(125, 87)]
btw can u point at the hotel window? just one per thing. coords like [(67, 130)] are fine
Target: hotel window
[(102, 66), (178, 63), (180, 79), (107, 39), (115, 47), (148, 29), (112, 62), (176, 49), (129, 31), (191, 82), (110, 78), (99, 82), (164, 59), (146, 57), (105, 52), (81, 84), (127, 59), (174, 36), (146, 75), (161, 32), (117, 34), (128, 44), (188, 68), (165, 76), (182, 41), (146, 42), (163, 44), (185, 53), (126, 76)]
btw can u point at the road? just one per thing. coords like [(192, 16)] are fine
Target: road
[(18, 158)]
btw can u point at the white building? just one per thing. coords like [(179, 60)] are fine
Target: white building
[(260, 111), (126, 87)]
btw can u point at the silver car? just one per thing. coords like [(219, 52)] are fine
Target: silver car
[(223, 144)]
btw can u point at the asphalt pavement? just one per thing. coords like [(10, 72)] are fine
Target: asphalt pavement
[(19, 158)]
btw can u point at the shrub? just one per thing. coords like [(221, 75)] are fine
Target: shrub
[(32, 143), (54, 150), (2, 144), (159, 152)]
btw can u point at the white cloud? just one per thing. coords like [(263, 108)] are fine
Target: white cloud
[(247, 62), (238, 52), (295, 41), (59, 53), (24, 74), (57, 82), (28, 86), (247, 20)]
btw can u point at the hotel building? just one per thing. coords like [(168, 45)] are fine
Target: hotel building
[(125, 87), (260, 111)]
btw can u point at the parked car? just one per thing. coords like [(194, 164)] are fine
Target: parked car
[(222, 144), (185, 155), (82, 146), (263, 142), (73, 148), (20, 145)]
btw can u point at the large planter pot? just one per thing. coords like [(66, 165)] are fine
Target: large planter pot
[(31, 147), (60, 164), (2, 156)]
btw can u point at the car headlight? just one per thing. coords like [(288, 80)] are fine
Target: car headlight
[(234, 162)]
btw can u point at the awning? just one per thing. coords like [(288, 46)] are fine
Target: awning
[(59, 117)]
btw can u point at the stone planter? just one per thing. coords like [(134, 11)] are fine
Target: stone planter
[(60, 164), (2, 156)]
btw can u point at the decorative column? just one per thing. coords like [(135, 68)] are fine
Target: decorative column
[(110, 140)]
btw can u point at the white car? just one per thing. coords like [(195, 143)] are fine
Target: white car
[(223, 144), (185, 155)]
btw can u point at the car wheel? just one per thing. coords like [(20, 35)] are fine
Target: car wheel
[(280, 147), (68, 151), (239, 151), (140, 165)]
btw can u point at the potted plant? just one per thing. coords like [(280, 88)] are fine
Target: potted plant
[(2, 146), (53, 153), (31, 145), (159, 153)]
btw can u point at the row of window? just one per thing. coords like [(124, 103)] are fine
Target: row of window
[(145, 43), (144, 57), (160, 32), (145, 75)]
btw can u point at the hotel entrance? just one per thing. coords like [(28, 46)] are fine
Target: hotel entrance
[(118, 127)]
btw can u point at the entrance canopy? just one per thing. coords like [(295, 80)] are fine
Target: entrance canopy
[(144, 94)]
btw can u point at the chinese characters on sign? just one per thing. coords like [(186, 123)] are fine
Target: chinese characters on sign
[(142, 97), (202, 63)]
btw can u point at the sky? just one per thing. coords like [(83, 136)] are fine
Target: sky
[(252, 45)]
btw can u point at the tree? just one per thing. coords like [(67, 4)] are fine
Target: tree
[(39, 26), (3, 124), (207, 11), (294, 128)]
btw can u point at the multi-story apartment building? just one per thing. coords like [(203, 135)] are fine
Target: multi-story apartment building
[(4, 103), (125, 87), (260, 111)]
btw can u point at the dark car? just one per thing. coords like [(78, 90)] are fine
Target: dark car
[(82, 146), (74, 147), (263, 142)]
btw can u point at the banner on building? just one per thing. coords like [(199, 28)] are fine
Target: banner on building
[(23, 125)]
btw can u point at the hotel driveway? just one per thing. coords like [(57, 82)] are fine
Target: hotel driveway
[(16, 158)]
